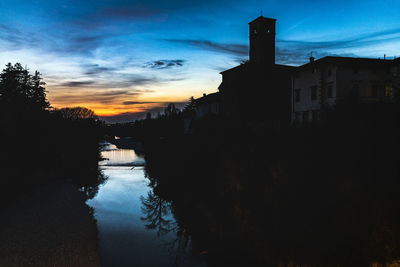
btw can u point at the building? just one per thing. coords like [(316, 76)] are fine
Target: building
[(207, 105), (262, 91), (258, 90), (322, 83)]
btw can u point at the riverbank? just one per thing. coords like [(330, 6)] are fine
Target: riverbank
[(50, 226), (305, 196)]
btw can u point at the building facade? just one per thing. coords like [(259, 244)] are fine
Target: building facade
[(207, 105), (323, 83)]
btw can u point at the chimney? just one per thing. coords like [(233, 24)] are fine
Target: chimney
[(204, 94)]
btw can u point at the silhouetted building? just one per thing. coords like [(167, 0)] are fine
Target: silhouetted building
[(207, 105), (323, 83), (262, 40), (258, 90)]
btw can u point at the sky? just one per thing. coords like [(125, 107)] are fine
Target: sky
[(124, 58)]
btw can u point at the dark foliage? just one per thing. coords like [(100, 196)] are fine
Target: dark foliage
[(39, 144), (321, 195), (21, 91)]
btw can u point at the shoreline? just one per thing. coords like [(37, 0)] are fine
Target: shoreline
[(49, 226)]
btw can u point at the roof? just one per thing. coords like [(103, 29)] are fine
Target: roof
[(249, 64), (207, 99), (262, 18), (241, 66), (347, 61)]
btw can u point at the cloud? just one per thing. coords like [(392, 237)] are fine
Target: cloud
[(119, 93), (17, 38), (132, 116), (128, 12), (77, 83), (230, 48), (357, 41), (296, 51), (128, 103), (80, 44), (164, 64), (104, 17), (106, 97), (118, 81), (299, 56), (58, 42), (95, 69)]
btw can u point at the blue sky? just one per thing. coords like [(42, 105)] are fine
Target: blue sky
[(127, 57)]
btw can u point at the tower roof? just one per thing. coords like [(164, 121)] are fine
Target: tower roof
[(261, 19)]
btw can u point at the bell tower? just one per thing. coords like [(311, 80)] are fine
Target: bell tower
[(262, 40)]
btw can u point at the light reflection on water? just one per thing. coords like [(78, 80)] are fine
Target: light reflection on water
[(120, 157), (123, 238)]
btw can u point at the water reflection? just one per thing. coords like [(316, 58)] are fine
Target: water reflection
[(119, 157), (240, 211), (156, 212), (127, 211), (160, 218)]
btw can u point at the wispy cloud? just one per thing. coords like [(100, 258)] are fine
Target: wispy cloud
[(231, 48), (77, 83), (95, 69), (357, 41), (129, 103), (129, 12), (104, 17), (80, 44), (164, 63), (295, 51), (95, 97), (119, 80), (16, 38)]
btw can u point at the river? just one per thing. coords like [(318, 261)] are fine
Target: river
[(124, 239)]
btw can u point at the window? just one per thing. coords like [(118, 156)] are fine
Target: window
[(388, 89), (314, 92), (330, 91), (355, 89), (374, 92), (305, 116), (297, 95), (314, 115), (297, 117), (329, 72)]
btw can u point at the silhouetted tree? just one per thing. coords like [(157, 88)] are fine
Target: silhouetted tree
[(39, 92), (19, 89), (190, 106), (77, 113), (171, 110)]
